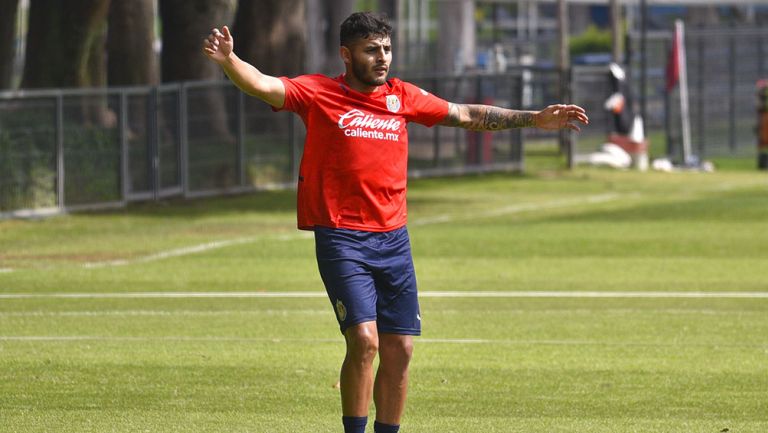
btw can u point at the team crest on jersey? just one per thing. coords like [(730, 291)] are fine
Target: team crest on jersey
[(341, 310), (393, 103)]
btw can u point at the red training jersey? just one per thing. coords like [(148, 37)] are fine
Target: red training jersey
[(354, 169)]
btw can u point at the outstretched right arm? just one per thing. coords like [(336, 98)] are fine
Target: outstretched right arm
[(219, 48)]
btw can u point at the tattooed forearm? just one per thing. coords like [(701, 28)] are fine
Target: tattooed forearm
[(487, 118)]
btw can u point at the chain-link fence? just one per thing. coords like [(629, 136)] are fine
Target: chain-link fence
[(74, 149), (724, 66), (442, 150), (64, 150)]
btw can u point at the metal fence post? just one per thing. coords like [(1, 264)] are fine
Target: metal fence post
[(478, 156), (732, 93), (153, 138), (60, 175), (241, 137), (293, 148), (564, 65), (762, 125), (760, 56), (516, 135), (184, 139), (668, 110), (566, 138), (436, 129), (702, 139), (123, 122)]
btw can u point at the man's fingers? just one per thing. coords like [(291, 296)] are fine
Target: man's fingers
[(581, 118), (574, 112), (573, 126), (565, 116), (208, 47), (227, 34)]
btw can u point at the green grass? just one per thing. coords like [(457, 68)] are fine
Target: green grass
[(512, 364)]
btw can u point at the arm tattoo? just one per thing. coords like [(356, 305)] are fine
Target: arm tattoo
[(487, 117)]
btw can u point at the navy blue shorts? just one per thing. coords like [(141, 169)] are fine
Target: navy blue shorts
[(369, 276)]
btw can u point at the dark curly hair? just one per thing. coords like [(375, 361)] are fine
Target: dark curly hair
[(362, 25)]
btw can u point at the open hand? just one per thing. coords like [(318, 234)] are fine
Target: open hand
[(219, 44), (561, 116)]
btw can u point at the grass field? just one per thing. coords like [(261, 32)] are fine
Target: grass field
[(591, 301)]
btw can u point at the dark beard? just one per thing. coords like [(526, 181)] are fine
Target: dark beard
[(360, 74)]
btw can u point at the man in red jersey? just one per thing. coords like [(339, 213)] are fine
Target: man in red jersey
[(351, 193)]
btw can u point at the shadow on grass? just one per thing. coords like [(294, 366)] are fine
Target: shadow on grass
[(267, 202), (284, 201), (726, 206)]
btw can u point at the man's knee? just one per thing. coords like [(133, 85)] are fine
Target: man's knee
[(397, 349), (362, 341)]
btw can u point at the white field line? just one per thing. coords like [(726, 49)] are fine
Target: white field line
[(622, 312), (506, 210), (419, 340), (5, 270), (725, 187), (171, 253), (193, 250), (425, 294), (517, 208), (167, 313)]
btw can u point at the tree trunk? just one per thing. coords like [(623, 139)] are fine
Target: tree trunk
[(456, 41), (8, 10), (389, 7), (130, 43), (323, 20), (96, 108), (271, 35), (185, 24), (60, 41)]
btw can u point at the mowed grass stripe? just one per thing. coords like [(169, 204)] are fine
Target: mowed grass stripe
[(444, 218), (340, 341), (425, 294), (484, 364)]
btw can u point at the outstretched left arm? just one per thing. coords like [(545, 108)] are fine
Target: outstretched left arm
[(490, 118)]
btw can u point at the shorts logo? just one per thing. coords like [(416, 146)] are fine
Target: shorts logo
[(341, 310), (393, 103)]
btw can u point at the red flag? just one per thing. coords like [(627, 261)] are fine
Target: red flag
[(673, 63)]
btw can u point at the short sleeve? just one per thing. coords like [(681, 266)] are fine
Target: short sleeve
[(423, 107), (299, 93)]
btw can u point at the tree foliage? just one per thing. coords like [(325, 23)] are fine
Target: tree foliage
[(593, 40)]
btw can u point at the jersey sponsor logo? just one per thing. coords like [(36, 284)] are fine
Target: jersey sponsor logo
[(356, 123), (393, 103)]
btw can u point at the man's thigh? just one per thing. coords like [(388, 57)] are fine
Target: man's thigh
[(370, 276), (397, 295)]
